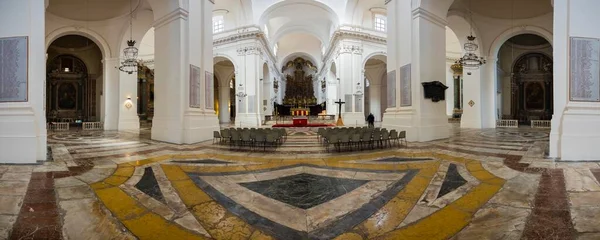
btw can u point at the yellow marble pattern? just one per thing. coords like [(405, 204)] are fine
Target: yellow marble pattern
[(223, 225), (142, 222)]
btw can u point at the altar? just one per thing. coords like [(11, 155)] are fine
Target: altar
[(300, 121)]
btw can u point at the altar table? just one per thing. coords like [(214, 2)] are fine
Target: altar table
[(300, 121)]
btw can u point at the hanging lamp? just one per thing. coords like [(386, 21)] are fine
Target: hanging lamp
[(470, 60), (130, 53)]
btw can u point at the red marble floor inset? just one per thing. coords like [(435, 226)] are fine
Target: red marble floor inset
[(551, 217), (38, 217)]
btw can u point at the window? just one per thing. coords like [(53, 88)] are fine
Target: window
[(218, 24), (380, 22)]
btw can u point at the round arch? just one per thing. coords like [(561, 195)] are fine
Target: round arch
[(294, 55), (219, 57), (161, 8), (296, 29), (378, 55), (511, 32), (436, 7), (95, 37), (332, 14), (457, 22)]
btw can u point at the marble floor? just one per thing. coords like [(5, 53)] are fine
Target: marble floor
[(479, 184)]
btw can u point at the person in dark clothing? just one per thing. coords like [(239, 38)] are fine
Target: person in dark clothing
[(371, 120)]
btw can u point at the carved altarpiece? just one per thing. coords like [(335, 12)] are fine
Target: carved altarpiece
[(70, 91), (532, 88)]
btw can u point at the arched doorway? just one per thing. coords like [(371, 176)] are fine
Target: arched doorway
[(224, 74), (526, 79), (73, 80), (375, 96)]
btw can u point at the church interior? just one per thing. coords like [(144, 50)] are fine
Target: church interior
[(299, 119)]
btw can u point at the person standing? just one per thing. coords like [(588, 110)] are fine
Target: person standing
[(371, 120)]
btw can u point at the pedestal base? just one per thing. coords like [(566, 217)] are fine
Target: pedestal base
[(339, 122)]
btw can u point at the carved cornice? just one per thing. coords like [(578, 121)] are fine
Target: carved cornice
[(249, 50), (250, 32), (176, 14), (429, 16), (351, 48)]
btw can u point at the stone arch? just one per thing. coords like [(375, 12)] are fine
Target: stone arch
[(436, 7), (457, 22), (374, 54), (85, 32), (514, 31), (142, 23), (162, 8), (294, 55), (220, 58)]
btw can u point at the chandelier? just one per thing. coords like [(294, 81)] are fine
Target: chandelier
[(470, 60), (130, 53)]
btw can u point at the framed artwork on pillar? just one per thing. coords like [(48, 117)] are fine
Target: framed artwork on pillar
[(584, 69), (195, 74), (405, 86), (13, 69), (391, 89), (208, 83)]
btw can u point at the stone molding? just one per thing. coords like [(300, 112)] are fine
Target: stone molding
[(176, 14), (429, 16)]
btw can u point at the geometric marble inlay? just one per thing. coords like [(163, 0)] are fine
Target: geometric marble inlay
[(304, 190), (203, 161), (397, 159), (149, 185), (295, 202), (452, 181)]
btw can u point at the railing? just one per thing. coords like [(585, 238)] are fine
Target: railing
[(540, 124), (507, 123), (58, 126), (91, 126)]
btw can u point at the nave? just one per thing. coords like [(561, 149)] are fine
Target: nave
[(478, 184)]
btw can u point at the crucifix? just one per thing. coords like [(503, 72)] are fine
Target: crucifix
[(339, 121)]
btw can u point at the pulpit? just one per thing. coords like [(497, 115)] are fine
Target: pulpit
[(300, 121)]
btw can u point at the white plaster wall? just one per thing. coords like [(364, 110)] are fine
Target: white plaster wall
[(23, 124)]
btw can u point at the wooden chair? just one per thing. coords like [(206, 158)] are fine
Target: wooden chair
[(402, 137), (217, 135)]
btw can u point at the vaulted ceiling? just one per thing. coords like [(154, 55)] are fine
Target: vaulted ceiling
[(91, 10)]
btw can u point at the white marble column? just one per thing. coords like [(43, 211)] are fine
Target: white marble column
[(575, 125), (224, 111), (110, 93), (248, 107), (23, 123), (424, 120), (174, 120), (472, 115), (128, 119), (351, 74), (375, 101)]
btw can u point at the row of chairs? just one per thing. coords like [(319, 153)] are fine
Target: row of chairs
[(360, 138), (252, 138)]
